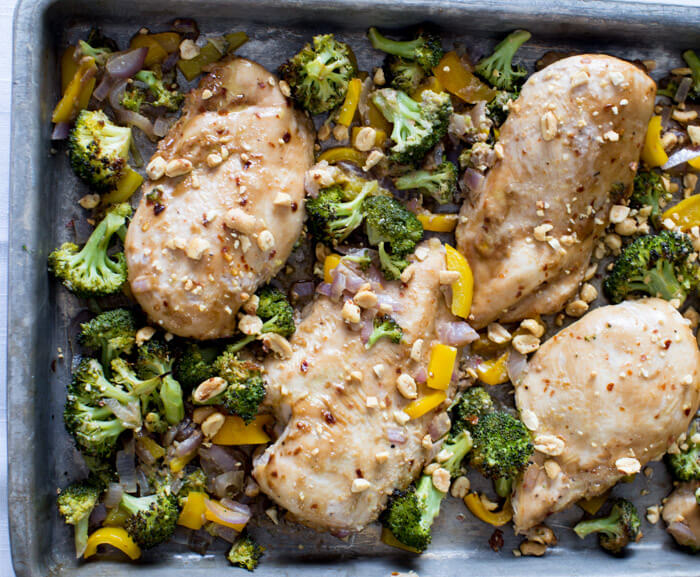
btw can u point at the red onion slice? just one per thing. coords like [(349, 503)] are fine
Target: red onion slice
[(227, 515), (367, 328), (396, 435), (515, 366), (189, 445), (236, 506), (420, 375), (228, 483), (683, 90), (125, 64), (681, 156), (113, 495), (324, 289), (303, 290), (456, 334), (682, 534), (104, 87), (126, 470), (129, 116), (129, 415), (61, 131), (472, 180), (388, 300), (160, 126)]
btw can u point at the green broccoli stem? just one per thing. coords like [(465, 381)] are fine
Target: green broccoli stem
[(171, 396), (660, 280), (607, 525), (95, 248), (404, 49), (693, 62), (503, 486), (80, 535), (267, 327), (134, 505)]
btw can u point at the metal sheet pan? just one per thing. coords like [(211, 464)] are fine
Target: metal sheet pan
[(43, 200)]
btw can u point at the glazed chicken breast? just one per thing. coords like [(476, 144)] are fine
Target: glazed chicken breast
[(224, 203), (346, 443), (568, 149), (602, 398), (681, 513)]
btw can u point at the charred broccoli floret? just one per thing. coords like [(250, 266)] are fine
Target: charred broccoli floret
[(194, 482), (649, 190), (99, 150), (394, 230), (113, 333), (654, 265), (384, 327), (426, 49), (195, 364), (245, 553), (160, 95), (319, 75), (417, 126), (333, 216), (441, 183), (693, 62), (497, 69), (152, 519), (685, 465), (90, 271), (497, 110), (502, 445), (75, 504), (616, 530), (474, 403), (402, 74), (155, 360)]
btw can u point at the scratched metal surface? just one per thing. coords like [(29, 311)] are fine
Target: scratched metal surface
[(43, 199)]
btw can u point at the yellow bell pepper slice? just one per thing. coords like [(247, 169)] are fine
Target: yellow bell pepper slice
[(493, 371), (156, 53), (438, 222), (495, 518), (169, 41), (441, 366), (352, 99), (192, 68), (235, 432), (463, 288), (653, 153), (153, 448), (128, 184), (694, 163), (593, 505), (215, 511), (114, 536), (431, 83), (235, 40), (68, 67), (379, 138), (193, 513), (179, 463), (376, 118), (388, 539), (425, 404), (332, 261), (456, 79), (343, 154), (78, 92), (686, 214)]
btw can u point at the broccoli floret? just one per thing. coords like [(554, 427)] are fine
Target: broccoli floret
[(319, 75), (440, 183), (99, 150), (161, 95), (152, 519), (402, 74), (90, 271), (497, 69), (133, 98), (102, 471), (616, 530), (155, 360), (649, 190), (411, 513), (654, 265), (194, 482), (99, 53), (245, 553), (685, 465), (276, 313), (113, 333), (418, 126), (692, 60), (384, 327), (426, 50), (502, 445), (474, 403), (497, 109), (88, 417), (75, 504), (361, 258), (389, 225), (246, 388), (195, 364), (125, 376), (332, 217)]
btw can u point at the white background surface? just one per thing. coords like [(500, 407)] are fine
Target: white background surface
[(6, 10)]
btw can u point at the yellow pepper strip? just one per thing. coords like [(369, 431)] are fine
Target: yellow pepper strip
[(68, 67), (431, 83), (455, 77), (193, 67), (389, 539), (343, 154), (77, 93), (376, 118), (215, 511), (332, 261), (495, 518), (193, 513), (425, 404), (169, 41), (352, 99), (686, 214), (438, 222), (156, 53), (128, 184), (441, 366), (235, 40), (653, 153), (493, 371), (463, 288), (153, 448), (235, 432), (379, 138), (114, 536), (179, 463), (694, 163), (593, 505)]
